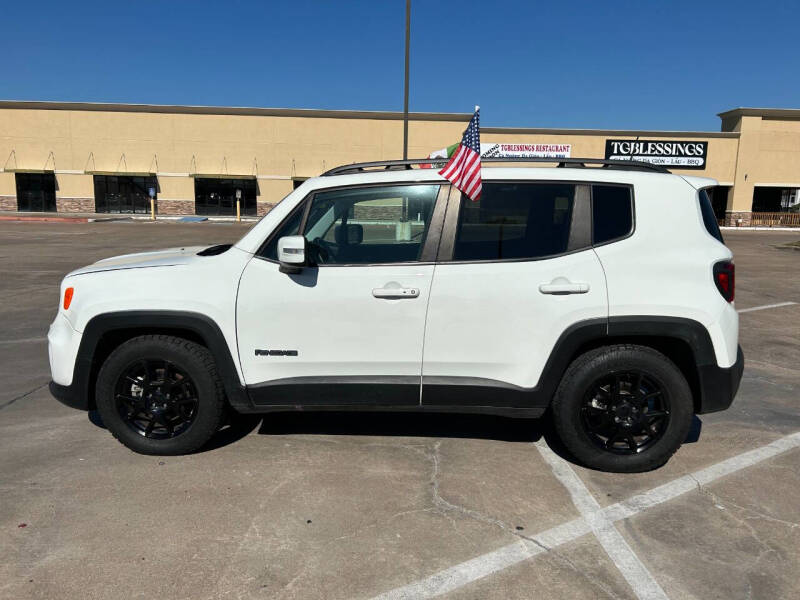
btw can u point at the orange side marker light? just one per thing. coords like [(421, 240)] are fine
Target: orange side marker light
[(68, 297)]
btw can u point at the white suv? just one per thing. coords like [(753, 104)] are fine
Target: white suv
[(602, 296)]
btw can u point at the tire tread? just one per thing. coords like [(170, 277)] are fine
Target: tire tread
[(192, 350), (563, 415)]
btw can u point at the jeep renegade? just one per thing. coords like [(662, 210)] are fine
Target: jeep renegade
[(598, 293)]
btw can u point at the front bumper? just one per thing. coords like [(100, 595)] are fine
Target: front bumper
[(70, 395), (68, 369), (63, 342), (718, 386)]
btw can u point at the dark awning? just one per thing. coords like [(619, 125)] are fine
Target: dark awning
[(220, 176), (122, 173)]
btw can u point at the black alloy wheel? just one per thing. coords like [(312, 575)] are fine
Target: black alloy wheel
[(160, 394), (622, 408), (156, 399), (625, 412)]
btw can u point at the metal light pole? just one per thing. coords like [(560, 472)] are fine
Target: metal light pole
[(405, 97)]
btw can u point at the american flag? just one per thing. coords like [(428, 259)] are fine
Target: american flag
[(464, 168)]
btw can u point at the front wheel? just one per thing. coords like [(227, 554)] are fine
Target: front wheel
[(159, 394), (623, 409)]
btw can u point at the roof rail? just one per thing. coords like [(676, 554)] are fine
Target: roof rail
[(395, 165)]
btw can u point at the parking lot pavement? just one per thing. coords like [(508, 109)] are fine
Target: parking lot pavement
[(311, 505)]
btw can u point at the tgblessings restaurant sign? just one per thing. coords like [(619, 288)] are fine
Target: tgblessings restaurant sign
[(684, 155)]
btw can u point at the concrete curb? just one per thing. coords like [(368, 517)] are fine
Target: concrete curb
[(45, 219), (206, 218), (760, 228), (60, 218)]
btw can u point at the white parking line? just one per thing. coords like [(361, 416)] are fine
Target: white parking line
[(765, 307), (23, 341), (476, 568), (492, 562), (621, 554)]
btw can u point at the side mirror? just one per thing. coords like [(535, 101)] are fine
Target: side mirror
[(292, 253)]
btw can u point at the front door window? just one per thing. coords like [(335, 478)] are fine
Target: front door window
[(370, 225)]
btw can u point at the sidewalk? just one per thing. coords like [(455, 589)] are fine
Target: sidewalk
[(112, 217), (759, 228)]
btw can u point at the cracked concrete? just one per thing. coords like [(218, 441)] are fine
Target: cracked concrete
[(350, 506), (20, 397), (739, 537), (578, 570)]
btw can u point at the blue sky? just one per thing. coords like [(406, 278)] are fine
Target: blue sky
[(627, 65)]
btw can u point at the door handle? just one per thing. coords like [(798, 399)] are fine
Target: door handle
[(397, 292), (561, 286)]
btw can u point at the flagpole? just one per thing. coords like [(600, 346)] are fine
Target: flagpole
[(405, 96)]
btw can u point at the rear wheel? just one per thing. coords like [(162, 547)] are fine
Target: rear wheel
[(160, 394), (623, 408)]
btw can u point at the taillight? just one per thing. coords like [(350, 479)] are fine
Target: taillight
[(68, 297), (725, 279)]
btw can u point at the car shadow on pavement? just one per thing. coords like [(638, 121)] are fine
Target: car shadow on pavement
[(410, 424), (694, 431), (403, 424), (237, 427), (399, 424)]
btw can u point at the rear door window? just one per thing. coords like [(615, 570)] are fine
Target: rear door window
[(515, 221)]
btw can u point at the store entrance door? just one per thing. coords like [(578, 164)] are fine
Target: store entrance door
[(36, 192), (217, 196), (123, 193)]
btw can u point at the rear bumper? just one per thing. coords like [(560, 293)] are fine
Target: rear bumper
[(69, 395), (718, 386)]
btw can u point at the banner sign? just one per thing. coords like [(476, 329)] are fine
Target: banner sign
[(527, 150), (503, 150), (685, 155)]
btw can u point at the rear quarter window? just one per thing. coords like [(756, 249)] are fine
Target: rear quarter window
[(709, 218), (612, 212)]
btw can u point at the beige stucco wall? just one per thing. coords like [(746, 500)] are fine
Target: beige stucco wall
[(174, 143), (754, 151), (7, 184), (769, 155), (275, 149)]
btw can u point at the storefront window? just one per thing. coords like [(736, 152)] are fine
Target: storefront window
[(214, 196), (123, 193), (790, 200), (36, 192), (775, 199)]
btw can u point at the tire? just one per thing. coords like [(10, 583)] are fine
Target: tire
[(609, 393), (164, 380)]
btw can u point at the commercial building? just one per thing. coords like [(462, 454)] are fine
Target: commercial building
[(86, 157)]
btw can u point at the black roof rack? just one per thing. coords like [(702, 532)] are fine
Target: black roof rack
[(395, 165)]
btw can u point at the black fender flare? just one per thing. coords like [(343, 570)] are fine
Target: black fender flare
[(80, 394), (716, 386)]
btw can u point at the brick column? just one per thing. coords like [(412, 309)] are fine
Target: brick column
[(8, 203), (170, 206), (263, 208), (732, 218), (68, 205)]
